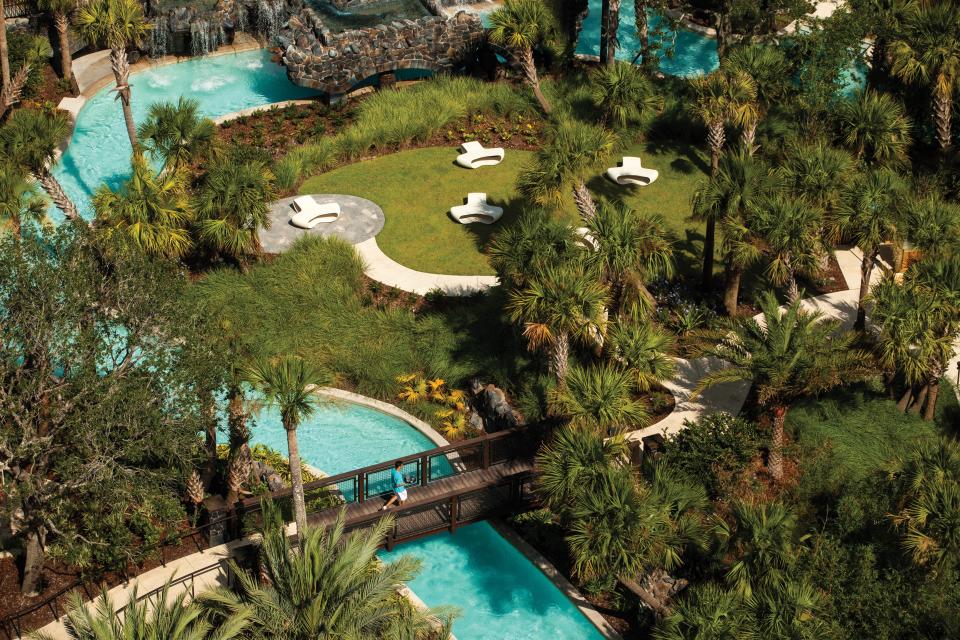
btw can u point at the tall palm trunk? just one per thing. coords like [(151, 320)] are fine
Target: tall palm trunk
[(604, 30), (60, 198), (612, 26), (723, 29), (121, 71), (209, 410), (4, 58), (533, 79), (584, 201), (643, 31), (715, 140), (934, 390), (776, 442), (33, 562), (62, 24), (296, 480), (733, 273), (942, 104), (559, 359), (866, 271)]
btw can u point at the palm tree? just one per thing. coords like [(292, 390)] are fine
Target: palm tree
[(60, 11), (609, 25), (872, 212), (520, 26), (31, 138), (18, 200), (760, 546), (875, 128), (789, 611), (556, 306), (37, 50), (570, 464), (928, 52), (622, 93), (786, 355), (931, 223), (642, 349), (177, 133), (332, 585), (288, 384), (730, 199), (599, 397), (150, 618), (721, 97), (790, 233), (886, 18), (150, 211), (116, 24), (572, 153), (535, 242), (768, 68), (4, 60), (232, 207), (631, 250), (708, 612)]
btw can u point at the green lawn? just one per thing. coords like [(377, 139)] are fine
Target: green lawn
[(416, 189)]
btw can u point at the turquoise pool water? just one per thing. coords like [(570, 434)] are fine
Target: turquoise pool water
[(501, 594), (694, 54), (99, 150)]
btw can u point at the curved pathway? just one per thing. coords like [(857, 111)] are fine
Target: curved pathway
[(382, 268)]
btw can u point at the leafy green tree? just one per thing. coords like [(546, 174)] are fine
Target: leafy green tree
[(875, 128), (232, 208), (601, 397), (177, 133), (622, 93), (521, 26), (31, 139), (330, 585), (708, 612), (787, 355), (572, 153), (557, 306), (642, 349), (928, 52), (117, 24), (534, 243), (761, 545), (790, 230), (18, 199), (149, 211), (98, 416), (61, 11), (288, 384)]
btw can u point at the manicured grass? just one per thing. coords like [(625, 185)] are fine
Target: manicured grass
[(416, 189)]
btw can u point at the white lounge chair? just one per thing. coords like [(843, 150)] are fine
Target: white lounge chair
[(474, 155), (308, 213), (631, 173), (585, 239), (476, 210)]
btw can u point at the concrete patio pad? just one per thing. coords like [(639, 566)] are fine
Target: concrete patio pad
[(359, 220)]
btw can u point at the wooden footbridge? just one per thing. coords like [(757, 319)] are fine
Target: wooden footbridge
[(447, 487)]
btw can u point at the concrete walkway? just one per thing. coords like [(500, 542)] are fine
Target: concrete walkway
[(360, 219), (382, 268)]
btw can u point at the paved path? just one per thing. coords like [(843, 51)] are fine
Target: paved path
[(383, 268), (360, 219)]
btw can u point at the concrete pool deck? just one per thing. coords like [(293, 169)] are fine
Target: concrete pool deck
[(360, 220)]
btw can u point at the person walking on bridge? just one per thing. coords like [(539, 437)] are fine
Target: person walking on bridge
[(399, 486)]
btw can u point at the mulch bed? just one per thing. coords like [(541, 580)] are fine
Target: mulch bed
[(831, 281)]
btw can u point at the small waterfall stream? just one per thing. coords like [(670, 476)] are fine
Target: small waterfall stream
[(158, 37), (200, 38), (269, 14)]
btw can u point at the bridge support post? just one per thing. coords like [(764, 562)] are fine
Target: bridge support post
[(454, 513), (361, 487)]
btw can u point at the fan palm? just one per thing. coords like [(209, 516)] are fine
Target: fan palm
[(721, 98), (30, 139), (288, 384), (886, 18), (768, 68), (556, 306), (789, 231), (631, 249), (708, 612), (331, 586), (520, 26), (599, 397), (622, 93), (642, 349), (61, 11), (150, 211), (928, 52), (789, 611), (786, 355), (161, 618), (117, 24), (534, 243), (875, 128), (232, 207), (931, 224), (729, 199), (37, 50), (572, 153), (820, 174), (872, 212), (177, 133), (761, 546), (18, 200)]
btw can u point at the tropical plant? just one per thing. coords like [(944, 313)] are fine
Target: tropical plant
[(37, 50), (787, 355), (631, 249), (790, 233), (768, 68), (871, 217), (609, 24), (875, 128), (4, 61), (708, 612), (117, 24), (232, 208), (761, 546), (720, 98), (886, 19), (30, 139), (521, 26), (928, 52), (18, 199), (61, 11), (557, 306), (820, 175), (535, 242), (152, 212), (931, 223), (622, 93), (288, 384), (330, 585), (570, 156), (599, 397), (177, 133), (642, 349)]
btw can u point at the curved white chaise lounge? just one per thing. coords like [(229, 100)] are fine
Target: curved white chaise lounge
[(474, 155), (308, 213), (631, 173), (476, 210)]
